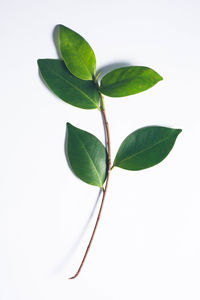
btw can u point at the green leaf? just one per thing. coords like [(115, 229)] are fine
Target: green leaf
[(66, 86), (87, 156), (146, 147), (128, 81), (77, 54)]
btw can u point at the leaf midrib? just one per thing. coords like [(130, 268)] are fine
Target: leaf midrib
[(75, 87), (118, 83), (141, 151), (79, 55), (81, 58), (94, 167)]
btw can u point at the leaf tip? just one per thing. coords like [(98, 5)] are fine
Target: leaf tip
[(179, 131), (60, 26), (68, 124), (70, 127), (41, 62), (159, 77)]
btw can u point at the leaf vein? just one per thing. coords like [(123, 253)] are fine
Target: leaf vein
[(76, 88), (144, 150), (92, 163)]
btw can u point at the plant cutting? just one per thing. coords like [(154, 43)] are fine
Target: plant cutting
[(74, 80)]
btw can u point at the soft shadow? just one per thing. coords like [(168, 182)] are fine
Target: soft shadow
[(55, 39), (65, 150), (65, 259), (112, 66), (105, 132), (66, 155)]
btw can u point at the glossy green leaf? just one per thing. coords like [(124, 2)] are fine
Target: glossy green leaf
[(128, 81), (145, 147), (77, 92), (77, 54), (87, 156)]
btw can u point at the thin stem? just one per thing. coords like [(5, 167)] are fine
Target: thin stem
[(104, 190)]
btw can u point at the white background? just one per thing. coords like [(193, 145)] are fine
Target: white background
[(147, 245)]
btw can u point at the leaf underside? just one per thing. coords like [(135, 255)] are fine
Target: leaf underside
[(128, 81), (77, 54), (77, 92), (87, 156), (145, 147)]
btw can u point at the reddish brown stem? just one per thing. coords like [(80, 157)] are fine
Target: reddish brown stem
[(104, 191)]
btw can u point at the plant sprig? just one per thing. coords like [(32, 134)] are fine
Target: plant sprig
[(74, 80)]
